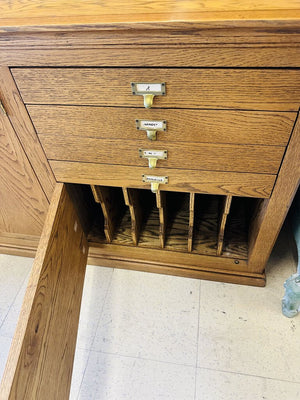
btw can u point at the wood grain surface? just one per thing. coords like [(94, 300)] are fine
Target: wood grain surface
[(255, 89), (210, 126), (271, 214), (41, 357), (51, 13), (234, 183), (203, 156), (23, 204), (25, 131)]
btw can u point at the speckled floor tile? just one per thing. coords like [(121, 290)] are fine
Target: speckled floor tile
[(96, 283), (112, 377), (242, 328), (150, 316), (217, 385)]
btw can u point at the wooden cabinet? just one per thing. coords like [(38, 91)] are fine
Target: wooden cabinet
[(229, 152)]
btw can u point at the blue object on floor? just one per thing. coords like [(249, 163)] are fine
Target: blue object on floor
[(291, 299)]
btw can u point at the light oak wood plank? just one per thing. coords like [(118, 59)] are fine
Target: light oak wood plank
[(271, 214), (23, 204), (206, 126), (25, 132), (207, 156), (54, 13), (41, 357), (265, 89), (237, 184), (145, 56)]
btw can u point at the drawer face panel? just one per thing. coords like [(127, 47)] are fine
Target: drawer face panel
[(228, 183), (206, 126), (201, 156), (254, 89)]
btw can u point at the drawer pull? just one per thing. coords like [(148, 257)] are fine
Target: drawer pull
[(153, 156), (151, 127), (155, 181), (148, 90)]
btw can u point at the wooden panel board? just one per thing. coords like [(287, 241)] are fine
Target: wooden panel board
[(41, 357), (265, 89), (36, 52), (23, 204), (238, 184), (208, 156), (25, 131), (206, 126), (162, 209), (103, 258), (270, 215), (50, 15)]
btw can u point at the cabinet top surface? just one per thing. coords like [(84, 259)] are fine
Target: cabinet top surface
[(94, 14)]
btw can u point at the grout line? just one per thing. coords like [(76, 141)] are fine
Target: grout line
[(142, 358), (250, 375), (198, 334)]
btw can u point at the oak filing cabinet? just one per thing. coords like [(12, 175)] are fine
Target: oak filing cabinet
[(175, 142)]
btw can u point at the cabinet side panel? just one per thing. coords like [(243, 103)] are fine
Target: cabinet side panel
[(23, 203), (272, 212)]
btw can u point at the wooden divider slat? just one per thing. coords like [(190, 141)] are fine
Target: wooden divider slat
[(132, 200), (191, 221), (223, 218), (111, 208), (161, 205)]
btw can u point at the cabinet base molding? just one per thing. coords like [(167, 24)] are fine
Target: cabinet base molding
[(26, 246), (96, 257), (16, 244)]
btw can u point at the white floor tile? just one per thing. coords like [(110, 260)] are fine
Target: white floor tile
[(112, 377), (13, 271), (97, 280), (10, 322), (5, 343), (80, 363), (150, 316), (216, 385), (242, 328)]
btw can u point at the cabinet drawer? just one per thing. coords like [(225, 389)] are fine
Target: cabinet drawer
[(206, 126), (198, 156), (237, 184), (266, 89)]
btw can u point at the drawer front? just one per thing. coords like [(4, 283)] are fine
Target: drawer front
[(255, 89), (206, 126), (198, 156), (223, 183)]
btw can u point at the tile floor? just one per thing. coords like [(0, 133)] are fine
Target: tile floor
[(145, 336)]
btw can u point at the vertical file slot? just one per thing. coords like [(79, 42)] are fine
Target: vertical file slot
[(236, 233), (113, 207), (191, 221), (149, 236), (225, 208), (205, 224), (161, 205), (132, 200), (177, 227)]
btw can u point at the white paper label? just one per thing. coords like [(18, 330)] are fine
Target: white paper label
[(154, 153), (151, 125), (149, 87), (159, 179)]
